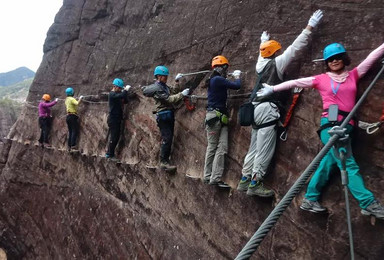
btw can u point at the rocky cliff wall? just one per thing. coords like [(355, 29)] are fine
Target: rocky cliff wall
[(55, 205)]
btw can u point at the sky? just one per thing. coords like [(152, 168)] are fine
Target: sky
[(23, 28)]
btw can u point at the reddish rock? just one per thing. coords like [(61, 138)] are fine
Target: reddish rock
[(56, 205)]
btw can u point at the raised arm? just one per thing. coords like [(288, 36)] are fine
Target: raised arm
[(299, 44), (366, 64)]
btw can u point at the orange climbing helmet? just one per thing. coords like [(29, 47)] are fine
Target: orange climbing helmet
[(268, 48), (46, 97), (219, 60)]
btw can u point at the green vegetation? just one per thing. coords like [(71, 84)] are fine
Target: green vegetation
[(17, 92), (10, 106)]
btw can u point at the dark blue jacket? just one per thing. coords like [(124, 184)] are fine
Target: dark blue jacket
[(217, 92)]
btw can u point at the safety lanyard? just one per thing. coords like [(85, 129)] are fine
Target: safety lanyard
[(335, 90)]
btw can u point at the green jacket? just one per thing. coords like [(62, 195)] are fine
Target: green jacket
[(166, 97)]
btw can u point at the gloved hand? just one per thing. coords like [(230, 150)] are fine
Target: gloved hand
[(267, 90), (264, 37), (236, 74), (81, 97), (127, 87), (56, 99), (185, 92), (178, 76), (315, 18)]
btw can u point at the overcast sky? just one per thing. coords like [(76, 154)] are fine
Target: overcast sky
[(23, 28)]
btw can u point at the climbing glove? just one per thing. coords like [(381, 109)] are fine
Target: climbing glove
[(185, 92), (178, 76), (236, 74), (265, 91), (81, 97), (264, 36), (56, 99), (127, 87), (315, 18)]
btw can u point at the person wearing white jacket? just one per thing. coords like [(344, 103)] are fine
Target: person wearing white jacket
[(271, 67)]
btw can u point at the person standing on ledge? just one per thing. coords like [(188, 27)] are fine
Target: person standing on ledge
[(116, 100), (45, 119), (72, 119), (338, 88), (166, 99), (216, 120), (271, 67)]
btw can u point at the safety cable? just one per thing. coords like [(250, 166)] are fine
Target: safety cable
[(272, 218)]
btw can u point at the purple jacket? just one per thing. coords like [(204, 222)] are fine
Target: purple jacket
[(45, 108)]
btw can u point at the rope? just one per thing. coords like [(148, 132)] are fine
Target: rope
[(272, 218)]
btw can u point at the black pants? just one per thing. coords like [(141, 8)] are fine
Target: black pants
[(166, 124), (45, 124), (114, 125), (73, 129)]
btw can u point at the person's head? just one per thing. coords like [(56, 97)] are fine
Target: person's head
[(269, 48), (118, 84), (220, 65), (69, 92), (335, 57), (46, 97), (161, 73)]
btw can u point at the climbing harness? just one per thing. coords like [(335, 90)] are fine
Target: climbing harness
[(296, 95), (272, 218), (342, 150)]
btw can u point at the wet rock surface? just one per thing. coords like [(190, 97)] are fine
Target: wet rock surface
[(57, 205)]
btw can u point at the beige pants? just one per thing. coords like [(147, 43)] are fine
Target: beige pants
[(263, 141), (217, 136)]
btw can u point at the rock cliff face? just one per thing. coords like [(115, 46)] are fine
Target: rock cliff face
[(60, 206)]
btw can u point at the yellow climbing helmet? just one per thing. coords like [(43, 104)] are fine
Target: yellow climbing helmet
[(268, 48), (219, 60)]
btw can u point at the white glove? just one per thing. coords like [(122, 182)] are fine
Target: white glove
[(178, 76), (264, 37), (236, 74), (267, 90), (185, 92), (315, 18), (56, 99), (127, 87), (81, 97)]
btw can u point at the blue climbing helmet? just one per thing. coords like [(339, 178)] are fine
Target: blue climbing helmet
[(333, 49), (118, 83), (161, 70), (69, 91)]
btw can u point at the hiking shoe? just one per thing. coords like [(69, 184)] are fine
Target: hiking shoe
[(220, 184), (256, 188), (313, 206), (374, 209), (74, 149), (167, 167), (243, 184), (46, 145)]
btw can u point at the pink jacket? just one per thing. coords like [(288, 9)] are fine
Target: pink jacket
[(341, 93)]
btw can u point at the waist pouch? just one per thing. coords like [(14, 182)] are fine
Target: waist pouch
[(246, 112), (223, 118), (165, 115)]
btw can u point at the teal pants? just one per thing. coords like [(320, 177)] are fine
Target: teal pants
[(327, 164)]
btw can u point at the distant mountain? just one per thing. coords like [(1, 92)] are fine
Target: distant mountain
[(17, 92), (15, 76)]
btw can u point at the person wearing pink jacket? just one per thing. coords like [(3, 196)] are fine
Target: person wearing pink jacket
[(337, 86)]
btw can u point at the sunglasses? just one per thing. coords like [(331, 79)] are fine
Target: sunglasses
[(335, 57)]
